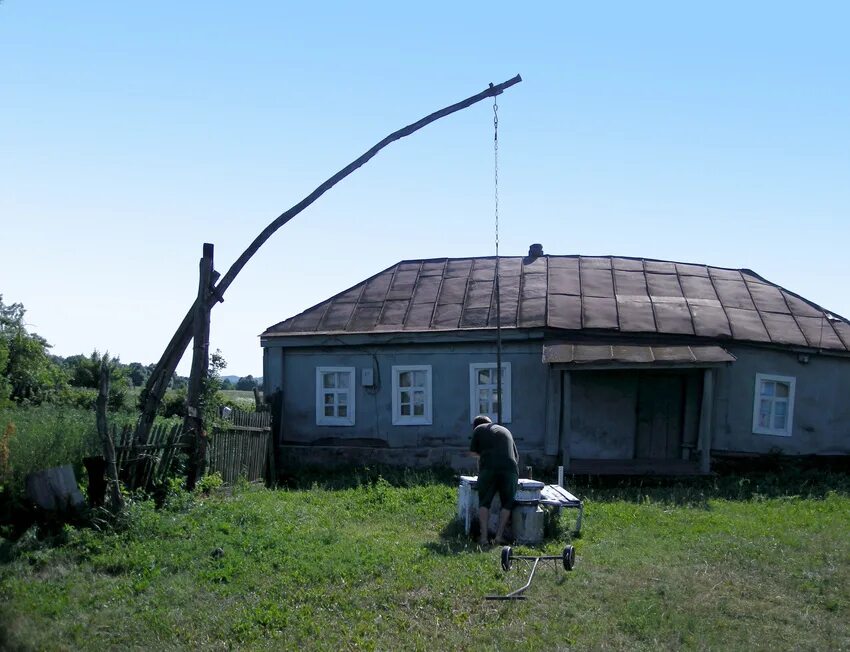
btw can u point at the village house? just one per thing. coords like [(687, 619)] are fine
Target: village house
[(609, 365)]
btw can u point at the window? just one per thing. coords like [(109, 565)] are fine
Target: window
[(412, 395), (773, 408), (483, 396), (335, 396)]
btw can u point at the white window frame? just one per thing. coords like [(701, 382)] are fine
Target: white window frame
[(474, 387), (321, 419), (789, 415), (411, 420)]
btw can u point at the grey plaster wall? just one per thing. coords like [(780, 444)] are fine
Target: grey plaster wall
[(821, 422), (294, 372)]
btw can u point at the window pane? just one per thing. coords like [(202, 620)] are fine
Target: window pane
[(484, 396), (329, 380), (483, 407), (483, 376), (419, 397), (764, 413), (342, 398), (419, 410), (329, 410), (780, 414), (419, 378), (329, 399), (342, 411), (405, 410), (404, 379), (343, 379), (404, 398), (767, 388), (782, 390)]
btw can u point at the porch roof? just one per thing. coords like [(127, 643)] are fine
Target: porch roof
[(616, 355)]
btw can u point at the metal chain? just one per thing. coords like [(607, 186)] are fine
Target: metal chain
[(496, 166), (496, 288)]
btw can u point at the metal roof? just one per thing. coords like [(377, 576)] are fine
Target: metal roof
[(616, 354), (574, 293)]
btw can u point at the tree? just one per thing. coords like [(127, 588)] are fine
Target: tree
[(84, 371), (28, 373), (138, 373), (246, 383)]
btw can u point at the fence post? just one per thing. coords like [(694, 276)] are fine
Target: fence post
[(194, 421), (106, 440)]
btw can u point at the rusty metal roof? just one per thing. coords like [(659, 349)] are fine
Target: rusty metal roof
[(574, 293), (617, 354)]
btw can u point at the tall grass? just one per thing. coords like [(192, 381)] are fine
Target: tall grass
[(47, 435)]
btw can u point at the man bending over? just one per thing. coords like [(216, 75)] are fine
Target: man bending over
[(498, 472)]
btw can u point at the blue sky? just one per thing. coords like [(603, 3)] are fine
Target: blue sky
[(131, 133)]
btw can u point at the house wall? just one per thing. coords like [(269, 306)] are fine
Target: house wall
[(603, 404), (821, 424), (294, 372)]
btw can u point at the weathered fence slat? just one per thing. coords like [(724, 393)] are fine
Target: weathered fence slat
[(242, 447), (142, 466)]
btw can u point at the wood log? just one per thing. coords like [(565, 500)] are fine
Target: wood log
[(161, 375), (194, 421)]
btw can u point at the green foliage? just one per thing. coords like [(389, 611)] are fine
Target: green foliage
[(247, 383), (210, 387), (138, 374), (84, 372), (209, 483), (27, 372)]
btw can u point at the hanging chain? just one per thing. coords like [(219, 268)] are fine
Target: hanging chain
[(496, 167), (496, 287)]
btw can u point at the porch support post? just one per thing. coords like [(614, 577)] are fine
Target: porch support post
[(566, 418), (553, 405), (705, 425)]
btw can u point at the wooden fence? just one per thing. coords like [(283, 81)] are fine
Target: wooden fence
[(143, 466), (241, 446)]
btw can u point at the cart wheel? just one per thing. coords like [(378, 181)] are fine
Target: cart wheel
[(506, 558), (569, 558)]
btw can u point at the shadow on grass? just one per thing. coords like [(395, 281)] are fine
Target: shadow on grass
[(351, 478), (734, 480), (453, 540)]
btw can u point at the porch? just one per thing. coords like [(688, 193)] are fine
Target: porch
[(631, 410)]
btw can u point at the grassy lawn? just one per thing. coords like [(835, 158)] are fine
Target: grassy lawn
[(744, 564)]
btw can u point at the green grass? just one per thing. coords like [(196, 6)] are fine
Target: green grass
[(730, 564), (242, 399)]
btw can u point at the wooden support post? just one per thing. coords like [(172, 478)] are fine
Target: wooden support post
[(566, 418), (705, 425), (553, 412), (194, 422), (116, 502)]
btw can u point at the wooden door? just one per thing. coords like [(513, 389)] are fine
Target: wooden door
[(660, 415)]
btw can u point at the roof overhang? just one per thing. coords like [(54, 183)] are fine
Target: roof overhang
[(617, 356)]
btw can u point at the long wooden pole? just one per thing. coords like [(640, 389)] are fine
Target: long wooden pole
[(158, 381), (194, 421)]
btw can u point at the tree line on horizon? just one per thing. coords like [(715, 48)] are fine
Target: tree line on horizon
[(31, 375)]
